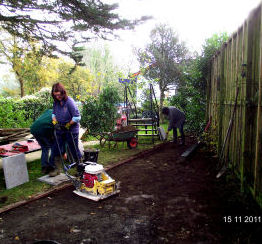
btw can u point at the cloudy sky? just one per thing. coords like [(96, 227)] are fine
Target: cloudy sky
[(193, 20)]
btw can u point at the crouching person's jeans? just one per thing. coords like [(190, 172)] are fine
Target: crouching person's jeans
[(181, 130), (47, 145)]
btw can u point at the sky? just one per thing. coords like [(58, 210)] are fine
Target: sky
[(193, 20)]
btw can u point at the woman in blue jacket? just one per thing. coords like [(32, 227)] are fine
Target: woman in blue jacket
[(66, 119)]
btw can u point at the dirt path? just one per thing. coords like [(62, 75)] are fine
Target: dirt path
[(163, 199)]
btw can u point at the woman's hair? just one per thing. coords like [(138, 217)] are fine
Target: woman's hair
[(165, 110), (58, 87)]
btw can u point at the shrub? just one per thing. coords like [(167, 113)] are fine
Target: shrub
[(99, 114), (90, 117), (11, 116), (190, 101), (34, 105), (20, 113)]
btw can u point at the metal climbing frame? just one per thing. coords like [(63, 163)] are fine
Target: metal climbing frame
[(149, 121)]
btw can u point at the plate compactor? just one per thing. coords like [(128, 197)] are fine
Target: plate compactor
[(91, 181)]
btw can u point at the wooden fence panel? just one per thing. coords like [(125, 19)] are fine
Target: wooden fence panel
[(238, 66), (221, 110), (258, 155)]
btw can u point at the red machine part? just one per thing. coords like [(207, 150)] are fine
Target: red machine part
[(19, 147), (88, 180), (121, 121), (132, 143)]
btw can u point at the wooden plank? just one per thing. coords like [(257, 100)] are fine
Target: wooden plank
[(221, 98), (140, 120), (238, 112), (254, 92), (147, 135), (258, 153), (241, 117), (237, 121), (147, 129), (244, 55), (249, 116), (190, 150), (141, 124), (10, 131), (232, 95)]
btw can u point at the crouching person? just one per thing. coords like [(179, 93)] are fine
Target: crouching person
[(176, 121), (42, 130)]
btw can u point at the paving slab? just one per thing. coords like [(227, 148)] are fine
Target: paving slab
[(15, 170), (57, 180)]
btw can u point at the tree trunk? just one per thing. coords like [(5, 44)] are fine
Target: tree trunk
[(21, 82), (21, 87)]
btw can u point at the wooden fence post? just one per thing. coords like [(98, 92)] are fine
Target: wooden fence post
[(244, 52), (258, 155)]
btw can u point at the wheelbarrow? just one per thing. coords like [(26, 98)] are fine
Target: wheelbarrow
[(128, 136)]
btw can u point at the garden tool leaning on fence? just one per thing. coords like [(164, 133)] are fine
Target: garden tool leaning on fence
[(222, 159), (91, 180)]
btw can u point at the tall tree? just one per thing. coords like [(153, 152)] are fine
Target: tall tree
[(25, 60), (191, 97), (202, 64), (168, 55), (77, 83), (100, 62), (53, 21)]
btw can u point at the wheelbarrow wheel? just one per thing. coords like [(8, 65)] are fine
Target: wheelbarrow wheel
[(132, 143)]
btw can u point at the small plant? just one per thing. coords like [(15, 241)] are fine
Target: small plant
[(211, 140)]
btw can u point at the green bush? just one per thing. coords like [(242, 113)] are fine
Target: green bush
[(190, 101), (34, 105), (90, 117), (11, 116), (20, 113), (99, 114)]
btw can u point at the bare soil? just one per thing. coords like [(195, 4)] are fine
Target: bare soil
[(163, 199)]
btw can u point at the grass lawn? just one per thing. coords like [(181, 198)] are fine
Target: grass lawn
[(106, 157), (26, 190)]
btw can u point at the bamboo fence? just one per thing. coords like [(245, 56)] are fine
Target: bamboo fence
[(238, 66)]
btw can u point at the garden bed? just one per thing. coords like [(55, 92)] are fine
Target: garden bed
[(33, 188), (164, 199)]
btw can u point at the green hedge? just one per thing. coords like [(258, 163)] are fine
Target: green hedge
[(98, 113), (21, 112)]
